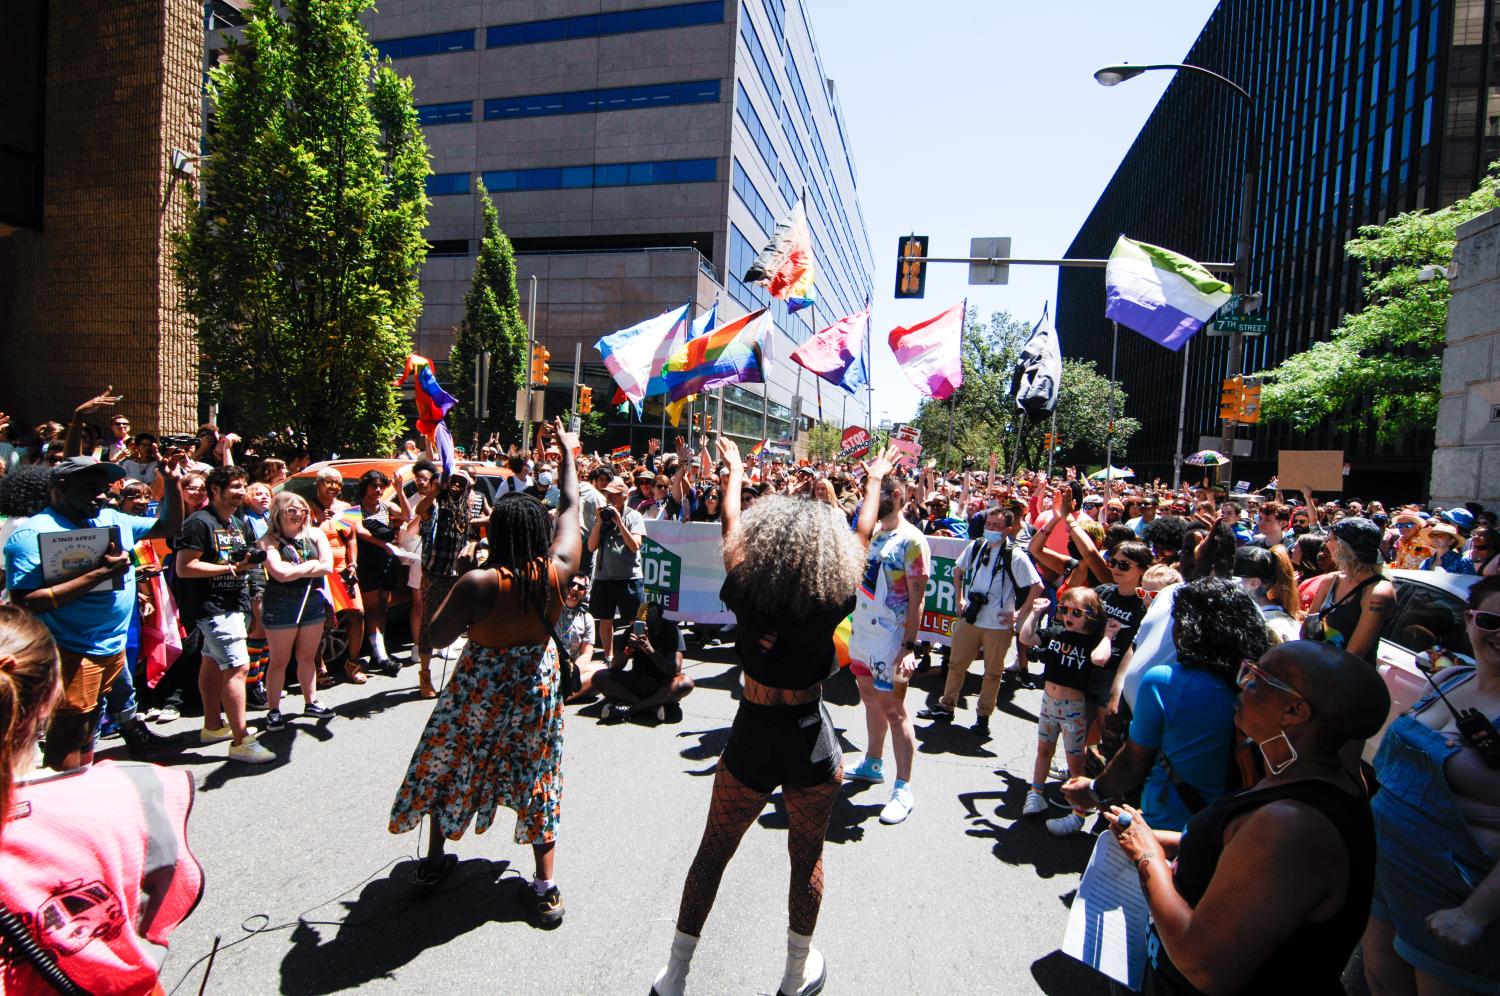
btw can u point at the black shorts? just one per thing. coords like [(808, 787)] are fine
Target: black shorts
[(791, 746), (608, 597)]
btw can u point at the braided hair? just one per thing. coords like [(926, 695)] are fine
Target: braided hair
[(520, 534)]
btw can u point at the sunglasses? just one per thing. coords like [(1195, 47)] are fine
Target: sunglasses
[(1489, 622), (1406, 525), (1074, 613), (1250, 672), (1126, 565), (1146, 595)]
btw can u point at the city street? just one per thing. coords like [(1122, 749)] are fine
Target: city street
[(955, 900)]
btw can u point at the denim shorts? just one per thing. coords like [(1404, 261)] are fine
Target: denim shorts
[(283, 608), (224, 640)]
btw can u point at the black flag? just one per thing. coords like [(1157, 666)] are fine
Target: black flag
[(1038, 373)]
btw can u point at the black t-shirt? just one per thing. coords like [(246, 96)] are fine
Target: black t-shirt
[(1129, 610), (1065, 656), (801, 654), (666, 639), (218, 542)]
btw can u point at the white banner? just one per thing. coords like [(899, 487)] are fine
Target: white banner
[(684, 567)]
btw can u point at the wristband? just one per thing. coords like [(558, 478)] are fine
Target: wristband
[(1093, 792)]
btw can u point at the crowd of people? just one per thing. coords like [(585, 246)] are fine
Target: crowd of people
[(1207, 660)]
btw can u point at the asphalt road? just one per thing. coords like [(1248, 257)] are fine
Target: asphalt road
[(308, 892)]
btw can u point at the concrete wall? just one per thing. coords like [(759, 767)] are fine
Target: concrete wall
[(1466, 463), (90, 300)]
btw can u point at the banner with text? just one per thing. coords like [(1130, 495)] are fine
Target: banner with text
[(940, 608)]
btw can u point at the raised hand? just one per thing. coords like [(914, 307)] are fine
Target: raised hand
[(729, 452), (104, 400), (884, 462), (566, 440)]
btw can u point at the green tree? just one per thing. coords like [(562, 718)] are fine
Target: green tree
[(983, 412), (1382, 365), (301, 263), (824, 440), (492, 321)]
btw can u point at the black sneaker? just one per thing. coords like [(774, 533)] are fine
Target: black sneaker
[(614, 713), (982, 727), (546, 908), (385, 666), (275, 720), (140, 741), (938, 711), (255, 695), (317, 709)]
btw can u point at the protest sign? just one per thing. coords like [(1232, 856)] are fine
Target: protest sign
[(1320, 470), (855, 444), (940, 605), (909, 450), (683, 564)]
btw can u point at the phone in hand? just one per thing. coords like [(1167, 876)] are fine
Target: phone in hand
[(638, 628)]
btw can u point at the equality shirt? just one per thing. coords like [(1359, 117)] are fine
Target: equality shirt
[(893, 554), (1065, 655)]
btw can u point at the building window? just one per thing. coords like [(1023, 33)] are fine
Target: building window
[(407, 48), (447, 248), (762, 64), (441, 114), (598, 25), (604, 175), (625, 98), (750, 197), (746, 113), (443, 184), (741, 254), (776, 14)]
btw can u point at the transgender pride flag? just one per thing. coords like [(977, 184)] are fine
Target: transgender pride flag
[(1164, 296)]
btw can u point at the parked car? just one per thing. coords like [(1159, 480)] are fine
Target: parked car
[(334, 648), (1430, 612)]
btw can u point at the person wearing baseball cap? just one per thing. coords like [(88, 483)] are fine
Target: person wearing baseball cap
[(619, 581), (1353, 601), (88, 612)]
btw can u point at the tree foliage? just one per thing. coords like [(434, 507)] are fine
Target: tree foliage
[(1382, 365), (301, 263), (824, 440), (984, 415), (492, 321)]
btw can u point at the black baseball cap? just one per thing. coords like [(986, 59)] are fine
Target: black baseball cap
[(76, 464), (1361, 536)]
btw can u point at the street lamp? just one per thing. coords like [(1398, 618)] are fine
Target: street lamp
[(1115, 75)]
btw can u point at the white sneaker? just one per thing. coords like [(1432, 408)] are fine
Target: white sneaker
[(208, 735), (250, 752), (900, 806), (167, 714), (1065, 826), (1035, 803)]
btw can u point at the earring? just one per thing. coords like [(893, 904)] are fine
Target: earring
[(1272, 766)]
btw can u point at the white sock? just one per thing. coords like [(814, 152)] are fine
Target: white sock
[(377, 644), (672, 980), (541, 885), (803, 963)]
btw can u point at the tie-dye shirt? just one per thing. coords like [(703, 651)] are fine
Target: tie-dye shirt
[(893, 554)]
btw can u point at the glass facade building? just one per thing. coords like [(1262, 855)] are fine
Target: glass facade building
[(1364, 109), (639, 158)]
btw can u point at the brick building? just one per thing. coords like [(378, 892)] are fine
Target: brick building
[(88, 197)]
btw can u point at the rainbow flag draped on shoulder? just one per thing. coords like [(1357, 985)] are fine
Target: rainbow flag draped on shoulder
[(731, 354)]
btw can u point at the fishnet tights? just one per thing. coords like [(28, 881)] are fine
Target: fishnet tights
[(733, 808)]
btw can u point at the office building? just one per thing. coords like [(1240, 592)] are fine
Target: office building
[(97, 98), (639, 154), (1364, 109)]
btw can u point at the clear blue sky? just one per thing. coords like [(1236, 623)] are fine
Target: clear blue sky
[(982, 118)]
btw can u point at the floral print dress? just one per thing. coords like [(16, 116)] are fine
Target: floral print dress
[(495, 739)]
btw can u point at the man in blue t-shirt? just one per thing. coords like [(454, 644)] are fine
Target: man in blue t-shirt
[(88, 613)]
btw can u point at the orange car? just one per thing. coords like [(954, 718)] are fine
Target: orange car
[(334, 648)]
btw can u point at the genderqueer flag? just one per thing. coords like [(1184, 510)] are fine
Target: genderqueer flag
[(1163, 295)]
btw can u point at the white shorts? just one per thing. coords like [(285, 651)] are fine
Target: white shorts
[(875, 645)]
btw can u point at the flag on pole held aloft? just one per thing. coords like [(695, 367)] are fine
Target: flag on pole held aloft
[(756, 450), (433, 405), (730, 354), (837, 353), (785, 266), (634, 355), (929, 352), (1163, 295), (1038, 373), (701, 325)]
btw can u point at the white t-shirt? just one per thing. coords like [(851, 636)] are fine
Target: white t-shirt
[(1154, 643), (984, 571)]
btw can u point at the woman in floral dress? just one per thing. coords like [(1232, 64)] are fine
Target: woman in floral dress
[(495, 736)]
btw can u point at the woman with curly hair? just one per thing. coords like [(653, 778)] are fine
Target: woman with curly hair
[(1182, 720), (24, 492), (793, 567), (495, 736)]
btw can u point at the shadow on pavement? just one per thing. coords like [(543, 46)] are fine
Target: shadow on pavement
[(374, 705), (385, 928), (945, 736), (1026, 840), (845, 823), (1058, 973), (279, 742), (708, 748)]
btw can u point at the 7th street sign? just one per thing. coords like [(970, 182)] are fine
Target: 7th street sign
[(1243, 324)]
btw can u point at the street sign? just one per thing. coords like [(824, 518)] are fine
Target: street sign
[(989, 273), (1244, 324), (1241, 446)]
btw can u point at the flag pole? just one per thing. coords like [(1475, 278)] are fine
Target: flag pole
[(1181, 418), (963, 320), (1109, 431), (1053, 448)]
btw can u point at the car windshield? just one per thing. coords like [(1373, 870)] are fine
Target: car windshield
[(1428, 617)]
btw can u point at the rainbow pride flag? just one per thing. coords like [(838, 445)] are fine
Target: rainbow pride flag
[(337, 594), (730, 354), (757, 450), (841, 640)]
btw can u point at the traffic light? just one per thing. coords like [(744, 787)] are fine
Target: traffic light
[(911, 271), (708, 423), (1046, 440), (697, 422), (539, 365), (1250, 402), (1231, 399), (585, 400)]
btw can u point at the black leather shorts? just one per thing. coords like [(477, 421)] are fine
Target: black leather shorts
[(792, 746)]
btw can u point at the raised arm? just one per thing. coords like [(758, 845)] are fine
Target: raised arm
[(729, 503), (567, 538), (876, 472)]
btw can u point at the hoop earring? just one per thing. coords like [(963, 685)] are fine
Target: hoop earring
[(1272, 766)]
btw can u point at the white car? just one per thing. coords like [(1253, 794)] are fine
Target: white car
[(1430, 612)]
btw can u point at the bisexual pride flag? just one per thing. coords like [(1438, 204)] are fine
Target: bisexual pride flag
[(1163, 295), (731, 354)]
